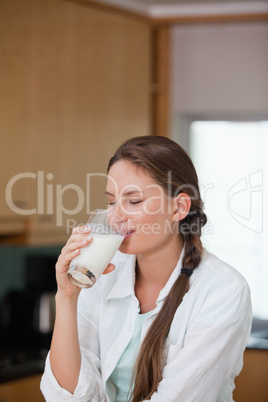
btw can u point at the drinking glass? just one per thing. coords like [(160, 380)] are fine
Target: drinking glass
[(107, 232)]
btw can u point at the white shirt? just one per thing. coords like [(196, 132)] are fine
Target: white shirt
[(205, 344)]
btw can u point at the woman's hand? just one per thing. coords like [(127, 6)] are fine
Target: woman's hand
[(79, 238)]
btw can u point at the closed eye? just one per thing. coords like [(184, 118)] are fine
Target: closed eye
[(112, 203)]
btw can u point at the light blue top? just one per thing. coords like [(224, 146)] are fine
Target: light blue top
[(122, 374)]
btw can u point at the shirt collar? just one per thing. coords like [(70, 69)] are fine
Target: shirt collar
[(174, 275), (125, 284)]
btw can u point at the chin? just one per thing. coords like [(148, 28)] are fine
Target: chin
[(127, 248)]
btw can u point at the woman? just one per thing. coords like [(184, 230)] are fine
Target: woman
[(171, 322)]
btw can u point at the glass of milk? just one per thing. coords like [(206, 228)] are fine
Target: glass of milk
[(107, 233)]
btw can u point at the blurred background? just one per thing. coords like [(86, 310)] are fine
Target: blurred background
[(78, 77)]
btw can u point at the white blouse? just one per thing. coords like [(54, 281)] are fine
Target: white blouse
[(204, 348)]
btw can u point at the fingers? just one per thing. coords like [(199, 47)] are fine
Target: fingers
[(80, 238), (109, 269), (79, 232), (81, 229)]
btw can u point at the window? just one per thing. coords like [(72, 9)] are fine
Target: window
[(231, 159)]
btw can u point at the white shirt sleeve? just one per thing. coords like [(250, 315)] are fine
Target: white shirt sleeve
[(85, 391), (89, 387), (212, 350)]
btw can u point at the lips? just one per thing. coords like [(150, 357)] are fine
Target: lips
[(129, 233)]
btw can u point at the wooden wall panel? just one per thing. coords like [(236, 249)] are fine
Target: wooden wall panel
[(76, 84), (161, 81)]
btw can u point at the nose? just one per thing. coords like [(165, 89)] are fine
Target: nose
[(118, 220), (117, 215)]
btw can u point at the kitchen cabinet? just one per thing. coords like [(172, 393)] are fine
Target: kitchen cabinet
[(22, 390), (75, 83), (251, 384)]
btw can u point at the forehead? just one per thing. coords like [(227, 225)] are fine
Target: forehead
[(124, 175)]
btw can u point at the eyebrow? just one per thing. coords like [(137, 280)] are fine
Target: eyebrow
[(131, 192)]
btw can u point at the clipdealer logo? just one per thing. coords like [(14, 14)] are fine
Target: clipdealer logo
[(244, 198), (245, 201), (50, 196)]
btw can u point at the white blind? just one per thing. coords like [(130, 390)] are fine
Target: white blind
[(220, 68), (232, 165)]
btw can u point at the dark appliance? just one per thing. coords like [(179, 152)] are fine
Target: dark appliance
[(27, 319)]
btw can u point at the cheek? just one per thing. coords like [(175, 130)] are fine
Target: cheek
[(153, 206), (148, 235), (154, 227)]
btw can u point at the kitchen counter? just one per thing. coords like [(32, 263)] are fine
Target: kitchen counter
[(259, 335), (20, 363)]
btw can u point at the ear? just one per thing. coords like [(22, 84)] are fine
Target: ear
[(182, 205)]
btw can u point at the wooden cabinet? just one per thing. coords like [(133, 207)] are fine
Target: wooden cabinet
[(252, 384), (75, 83), (23, 390)]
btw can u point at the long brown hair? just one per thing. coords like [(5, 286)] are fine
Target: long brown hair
[(171, 167)]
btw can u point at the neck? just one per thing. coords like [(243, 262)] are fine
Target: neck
[(155, 268)]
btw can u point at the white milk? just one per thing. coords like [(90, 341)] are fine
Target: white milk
[(95, 257)]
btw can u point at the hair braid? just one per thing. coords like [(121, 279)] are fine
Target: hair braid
[(190, 229)]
